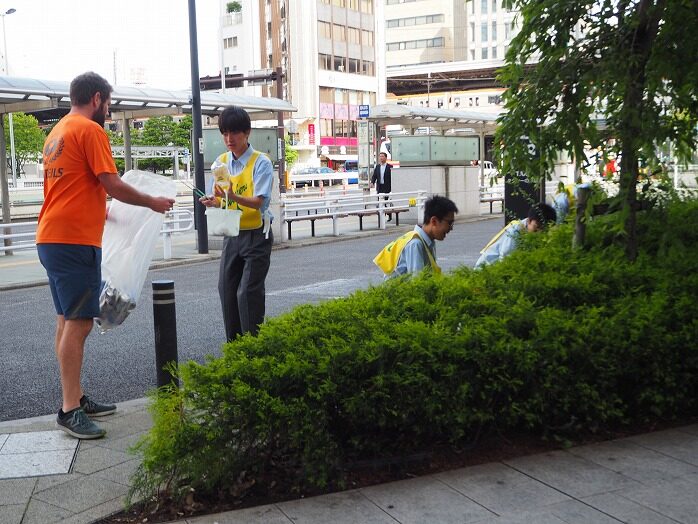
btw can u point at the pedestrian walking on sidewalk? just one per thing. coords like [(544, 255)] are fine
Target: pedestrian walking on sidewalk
[(245, 179), (79, 172)]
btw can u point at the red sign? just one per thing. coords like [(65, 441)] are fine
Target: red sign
[(311, 133)]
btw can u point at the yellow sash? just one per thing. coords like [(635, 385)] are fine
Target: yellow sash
[(388, 258), (501, 232), (242, 184)]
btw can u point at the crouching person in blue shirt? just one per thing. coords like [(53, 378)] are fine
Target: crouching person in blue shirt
[(539, 217), (414, 251)]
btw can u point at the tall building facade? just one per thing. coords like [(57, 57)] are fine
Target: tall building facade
[(420, 32), (332, 55)]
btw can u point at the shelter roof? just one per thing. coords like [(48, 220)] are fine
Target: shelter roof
[(444, 119), (31, 94)]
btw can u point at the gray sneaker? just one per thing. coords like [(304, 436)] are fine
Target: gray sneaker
[(95, 409), (77, 424)]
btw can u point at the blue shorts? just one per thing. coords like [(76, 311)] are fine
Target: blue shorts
[(75, 277)]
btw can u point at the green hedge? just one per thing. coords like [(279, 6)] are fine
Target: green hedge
[(550, 340)]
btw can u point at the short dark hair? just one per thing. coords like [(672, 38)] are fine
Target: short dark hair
[(85, 86), (439, 207), (543, 214), (234, 119)]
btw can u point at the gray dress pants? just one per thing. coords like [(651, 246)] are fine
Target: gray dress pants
[(244, 266)]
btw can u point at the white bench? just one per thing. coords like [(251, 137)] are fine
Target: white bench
[(336, 206), (492, 194)]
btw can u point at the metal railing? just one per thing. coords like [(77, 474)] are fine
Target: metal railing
[(176, 221)]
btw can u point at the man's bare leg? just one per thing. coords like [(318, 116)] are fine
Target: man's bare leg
[(70, 346)]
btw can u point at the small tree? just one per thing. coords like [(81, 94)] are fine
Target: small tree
[(233, 7), (290, 154), (630, 63), (29, 139)]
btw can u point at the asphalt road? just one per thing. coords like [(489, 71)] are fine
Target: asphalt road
[(120, 365)]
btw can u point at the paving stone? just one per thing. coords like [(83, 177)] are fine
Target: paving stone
[(425, 500), (571, 475), (524, 518), (96, 459), (38, 441), (634, 461), (258, 515), (676, 499), (692, 429), (575, 512), (39, 512), (122, 444), (3, 438), (35, 464), (130, 424), (626, 510), (501, 489), (121, 473), (351, 505), (96, 513), (83, 494), (11, 514), (43, 483), (16, 491), (680, 445)]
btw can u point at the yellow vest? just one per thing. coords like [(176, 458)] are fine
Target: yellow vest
[(242, 184), (388, 258), (501, 232)]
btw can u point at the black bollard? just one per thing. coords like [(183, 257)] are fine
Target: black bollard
[(165, 322)]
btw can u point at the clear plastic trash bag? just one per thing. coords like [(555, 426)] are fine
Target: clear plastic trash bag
[(128, 242)]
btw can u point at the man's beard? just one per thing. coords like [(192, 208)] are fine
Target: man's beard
[(99, 116)]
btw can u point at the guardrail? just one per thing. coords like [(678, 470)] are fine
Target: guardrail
[(334, 207), (176, 221)]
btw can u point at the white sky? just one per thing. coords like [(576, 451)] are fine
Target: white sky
[(59, 39)]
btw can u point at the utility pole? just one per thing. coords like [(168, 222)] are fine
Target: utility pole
[(278, 77), (197, 139)]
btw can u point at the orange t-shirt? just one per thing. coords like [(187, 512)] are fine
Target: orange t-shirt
[(75, 152)]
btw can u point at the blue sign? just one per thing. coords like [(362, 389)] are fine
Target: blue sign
[(363, 111)]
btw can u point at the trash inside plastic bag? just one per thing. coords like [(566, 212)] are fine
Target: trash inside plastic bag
[(128, 242), (114, 307)]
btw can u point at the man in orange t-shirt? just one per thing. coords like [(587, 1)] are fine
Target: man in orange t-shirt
[(79, 172)]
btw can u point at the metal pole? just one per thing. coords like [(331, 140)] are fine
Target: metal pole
[(6, 217), (197, 139), (165, 323), (280, 132), (128, 160), (9, 117)]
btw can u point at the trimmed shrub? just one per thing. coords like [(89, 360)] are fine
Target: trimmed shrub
[(552, 341)]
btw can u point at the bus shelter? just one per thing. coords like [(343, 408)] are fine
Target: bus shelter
[(50, 98)]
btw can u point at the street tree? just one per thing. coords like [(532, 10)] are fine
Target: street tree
[(29, 139), (629, 64)]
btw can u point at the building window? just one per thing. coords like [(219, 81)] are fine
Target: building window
[(494, 51), (494, 6), (472, 31), (494, 31), (415, 20), (324, 61), (354, 35), (484, 53), (507, 30), (472, 54), (367, 68), (483, 32), (494, 100), (367, 38), (354, 5), (339, 64), (228, 42), (340, 3), (483, 6), (367, 6), (324, 30), (339, 33), (472, 7), (416, 44), (354, 65)]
